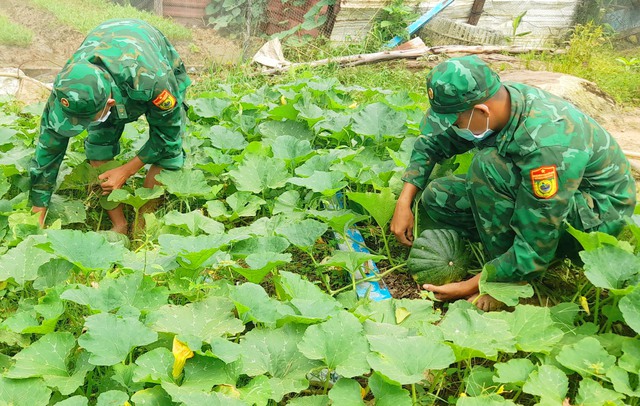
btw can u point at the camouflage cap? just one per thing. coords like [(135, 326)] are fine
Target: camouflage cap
[(454, 86), (81, 91)]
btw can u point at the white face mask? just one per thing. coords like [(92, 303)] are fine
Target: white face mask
[(468, 135), (104, 117)]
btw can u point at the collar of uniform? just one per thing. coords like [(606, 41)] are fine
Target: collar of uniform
[(503, 138), (116, 94)]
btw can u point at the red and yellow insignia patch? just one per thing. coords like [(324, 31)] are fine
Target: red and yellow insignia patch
[(544, 181), (165, 100), (430, 93), (64, 102)]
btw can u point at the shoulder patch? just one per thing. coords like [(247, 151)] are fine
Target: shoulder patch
[(544, 181), (165, 100)]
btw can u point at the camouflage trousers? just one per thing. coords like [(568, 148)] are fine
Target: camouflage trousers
[(480, 205)]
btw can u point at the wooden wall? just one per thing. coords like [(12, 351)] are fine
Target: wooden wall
[(546, 19)]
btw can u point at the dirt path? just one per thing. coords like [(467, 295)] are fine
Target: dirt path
[(53, 43)]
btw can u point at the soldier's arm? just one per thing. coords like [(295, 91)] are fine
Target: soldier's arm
[(44, 167), (540, 212), (166, 125), (429, 150)]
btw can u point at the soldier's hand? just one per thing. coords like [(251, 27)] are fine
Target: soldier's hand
[(43, 214), (114, 179), (402, 224)]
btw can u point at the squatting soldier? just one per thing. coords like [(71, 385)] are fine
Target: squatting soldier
[(540, 162), (123, 69)]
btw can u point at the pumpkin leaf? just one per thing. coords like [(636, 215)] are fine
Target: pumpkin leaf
[(140, 197), (346, 392), (275, 352), (207, 319), (24, 392), (327, 183), (259, 173), (338, 342), (549, 383), (379, 205), (107, 348), (406, 360)]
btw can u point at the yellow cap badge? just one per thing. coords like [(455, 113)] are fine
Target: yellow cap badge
[(430, 93), (165, 100), (544, 181), (64, 102)]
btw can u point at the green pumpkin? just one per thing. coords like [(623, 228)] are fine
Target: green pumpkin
[(438, 257)]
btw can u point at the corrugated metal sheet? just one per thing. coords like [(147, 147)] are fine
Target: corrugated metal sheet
[(545, 19)]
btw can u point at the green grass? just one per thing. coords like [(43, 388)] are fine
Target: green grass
[(592, 55), (14, 34), (85, 15)]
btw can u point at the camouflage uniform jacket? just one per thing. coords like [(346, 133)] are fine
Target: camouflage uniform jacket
[(144, 68), (544, 131)]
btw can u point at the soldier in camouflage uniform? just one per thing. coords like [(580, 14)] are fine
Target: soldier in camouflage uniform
[(123, 69), (539, 162)]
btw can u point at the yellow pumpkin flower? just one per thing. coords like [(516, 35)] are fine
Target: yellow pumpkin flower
[(181, 353)]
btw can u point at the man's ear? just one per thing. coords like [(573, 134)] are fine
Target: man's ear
[(111, 102), (483, 107)]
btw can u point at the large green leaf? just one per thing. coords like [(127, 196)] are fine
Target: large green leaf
[(188, 397), (275, 352), (68, 211), (22, 262), (207, 319), (508, 293), (622, 381), (346, 392), (291, 148), (533, 328), (610, 267), (593, 240), (260, 264), (257, 392), (406, 360), (549, 383), (154, 396), (242, 204), (630, 308), (388, 394), (186, 184), (88, 251), (469, 331), (273, 129), (24, 392), (587, 357), (112, 398), (110, 337), (253, 304), (327, 183), (313, 400), (338, 342), (77, 400), (591, 393), (351, 261), (485, 400), (193, 222), (257, 245), (516, 370), (53, 273), (378, 121), (138, 198), (259, 173), (226, 139), (136, 289), (307, 298), (154, 366), (47, 358), (303, 234), (379, 205), (210, 107)]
